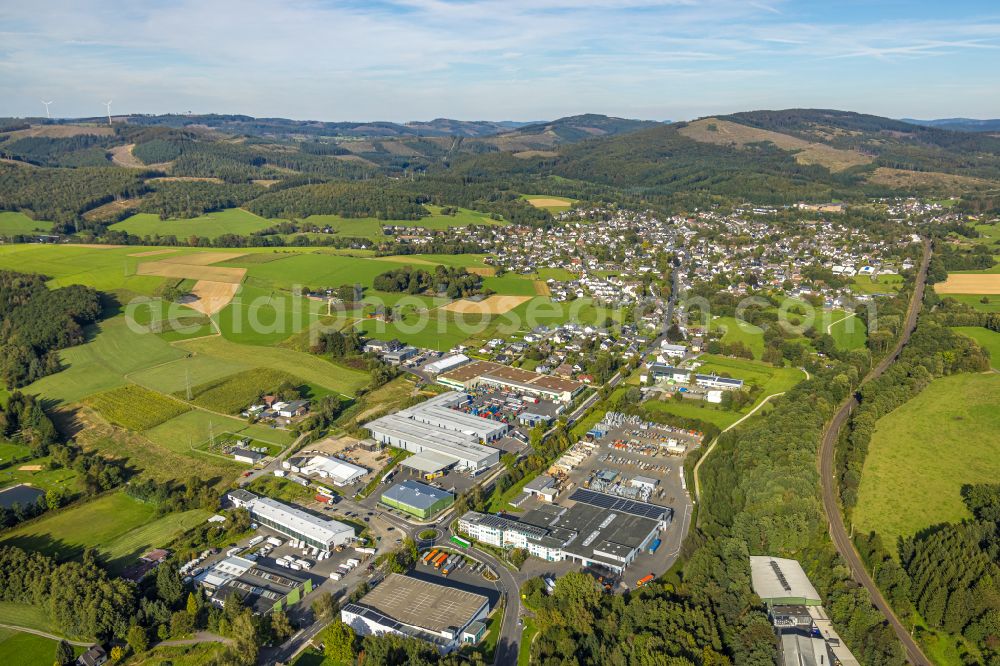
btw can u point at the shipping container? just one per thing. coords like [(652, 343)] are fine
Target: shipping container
[(430, 555), (653, 546)]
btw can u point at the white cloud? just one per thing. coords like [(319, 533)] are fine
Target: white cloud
[(484, 58)]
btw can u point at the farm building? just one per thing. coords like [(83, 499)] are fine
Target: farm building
[(339, 472), (434, 426), (406, 606), (293, 522), (261, 588), (518, 380), (417, 499)]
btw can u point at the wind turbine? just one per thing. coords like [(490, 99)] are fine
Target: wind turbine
[(108, 104), (47, 108)]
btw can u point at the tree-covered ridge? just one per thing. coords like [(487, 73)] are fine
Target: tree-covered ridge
[(368, 199), (455, 282), (64, 195), (36, 322), (75, 151)]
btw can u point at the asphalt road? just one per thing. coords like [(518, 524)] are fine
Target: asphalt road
[(828, 477)]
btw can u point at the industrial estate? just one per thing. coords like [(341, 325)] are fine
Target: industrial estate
[(591, 391)]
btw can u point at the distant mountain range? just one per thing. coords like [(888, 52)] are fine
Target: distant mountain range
[(547, 133), (959, 124)]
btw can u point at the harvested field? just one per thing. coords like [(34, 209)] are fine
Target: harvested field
[(485, 271), (493, 305), (525, 154), (900, 178), (122, 156), (203, 258), (111, 210), (970, 283), (180, 179), (542, 288), (548, 202), (403, 259), (727, 133), (264, 183), (63, 131), (152, 253), (212, 296), (194, 272), (30, 468)]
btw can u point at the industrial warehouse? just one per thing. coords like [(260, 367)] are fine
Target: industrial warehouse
[(440, 614), (340, 472), (417, 499), (260, 587), (441, 436), (598, 529), (803, 628), (518, 380), (316, 531)]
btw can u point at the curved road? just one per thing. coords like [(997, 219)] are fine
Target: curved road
[(828, 478)]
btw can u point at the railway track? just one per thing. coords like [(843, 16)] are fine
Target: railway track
[(831, 489)]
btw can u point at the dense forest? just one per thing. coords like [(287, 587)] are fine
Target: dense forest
[(36, 322), (455, 282)]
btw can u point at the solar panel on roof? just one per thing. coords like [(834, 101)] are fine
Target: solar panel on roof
[(619, 504)]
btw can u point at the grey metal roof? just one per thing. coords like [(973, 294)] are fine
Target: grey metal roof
[(777, 578)]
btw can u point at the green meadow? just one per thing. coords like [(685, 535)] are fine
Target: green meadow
[(987, 339), (119, 527), (190, 430), (925, 451), (209, 225), (12, 224), (883, 284), (975, 301), (848, 332)]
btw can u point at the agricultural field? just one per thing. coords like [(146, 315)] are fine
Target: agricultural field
[(106, 268), (313, 269), (12, 224), (119, 527), (259, 316), (511, 285), (883, 284), (371, 227), (210, 225), (171, 321), (232, 394), (136, 407), (315, 371), (550, 203), (112, 352), (987, 339), (911, 480), (986, 282)]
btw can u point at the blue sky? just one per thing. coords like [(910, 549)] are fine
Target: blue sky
[(500, 59)]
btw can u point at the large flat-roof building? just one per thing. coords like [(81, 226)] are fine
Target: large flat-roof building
[(598, 529), (402, 605), (515, 379), (261, 587), (339, 472), (417, 499), (435, 426), (804, 631), (317, 531)]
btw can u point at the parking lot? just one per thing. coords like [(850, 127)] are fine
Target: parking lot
[(467, 576)]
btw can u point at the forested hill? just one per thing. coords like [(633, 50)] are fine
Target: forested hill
[(87, 176), (960, 124)]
